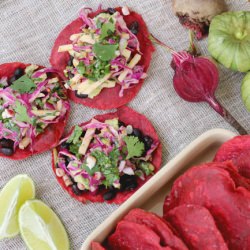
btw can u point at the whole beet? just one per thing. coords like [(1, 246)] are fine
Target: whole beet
[(197, 14)]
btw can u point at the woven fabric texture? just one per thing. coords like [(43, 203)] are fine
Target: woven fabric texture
[(27, 32)]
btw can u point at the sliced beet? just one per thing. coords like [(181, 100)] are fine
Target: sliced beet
[(238, 151), (127, 116), (157, 225), (97, 246), (130, 236), (108, 98), (51, 135), (196, 227), (213, 187)]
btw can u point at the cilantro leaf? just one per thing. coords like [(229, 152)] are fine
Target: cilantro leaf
[(23, 85), (74, 148), (134, 146), (146, 167), (108, 165), (105, 52), (11, 126), (107, 29), (91, 171), (21, 113), (75, 136), (81, 68)]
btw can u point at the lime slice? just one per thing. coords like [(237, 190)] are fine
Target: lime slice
[(40, 227), (18, 190)]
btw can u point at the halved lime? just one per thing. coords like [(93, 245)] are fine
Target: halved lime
[(18, 190), (40, 227)]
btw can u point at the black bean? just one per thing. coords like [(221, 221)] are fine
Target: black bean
[(97, 131), (134, 27), (137, 133), (80, 95), (7, 151), (6, 143), (65, 145), (109, 195), (111, 11), (73, 181), (128, 182), (148, 141), (131, 186), (76, 190), (50, 74), (12, 79), (70, 61), (18, 73), (70, 75), (67, 161), (120, 123)]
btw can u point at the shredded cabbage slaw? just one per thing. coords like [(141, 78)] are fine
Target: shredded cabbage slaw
[(105, 159)]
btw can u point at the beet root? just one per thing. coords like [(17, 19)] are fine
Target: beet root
[(197, 14)]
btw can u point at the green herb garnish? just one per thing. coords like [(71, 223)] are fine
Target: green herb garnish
[(21, 113), (10, 125), (23, 85), (134, 146), (74, 148), (91, 171), (81, 68), (107, 29), (95, 71), (105, 52), (146, 167), (108, 165), (74, 138)]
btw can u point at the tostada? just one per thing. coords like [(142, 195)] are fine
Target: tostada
[(33, 109), (109, 157), (103, 56)]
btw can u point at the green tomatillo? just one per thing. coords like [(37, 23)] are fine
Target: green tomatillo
[(229, 40)]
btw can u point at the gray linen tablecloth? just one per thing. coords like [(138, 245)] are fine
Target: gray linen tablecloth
[(28, 29)]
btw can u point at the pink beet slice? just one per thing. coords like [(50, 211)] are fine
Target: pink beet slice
[(238, 151), (211, 186), (196, 227), (156, 224), (97, 246), (130, 236)]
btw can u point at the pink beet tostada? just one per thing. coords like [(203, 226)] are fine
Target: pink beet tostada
[(34, 109), (109, 157), (103, 56)]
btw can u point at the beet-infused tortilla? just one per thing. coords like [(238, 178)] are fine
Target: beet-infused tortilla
[(238, 151), (103, 56), (109, 157), (34, 110)]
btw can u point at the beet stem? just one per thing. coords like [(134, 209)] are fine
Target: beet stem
[(157, 41), (226, 115)]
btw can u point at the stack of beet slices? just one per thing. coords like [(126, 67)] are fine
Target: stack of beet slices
[(207, 208)]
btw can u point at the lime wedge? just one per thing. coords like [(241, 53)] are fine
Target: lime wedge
[(18, 190), (40, 227)]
